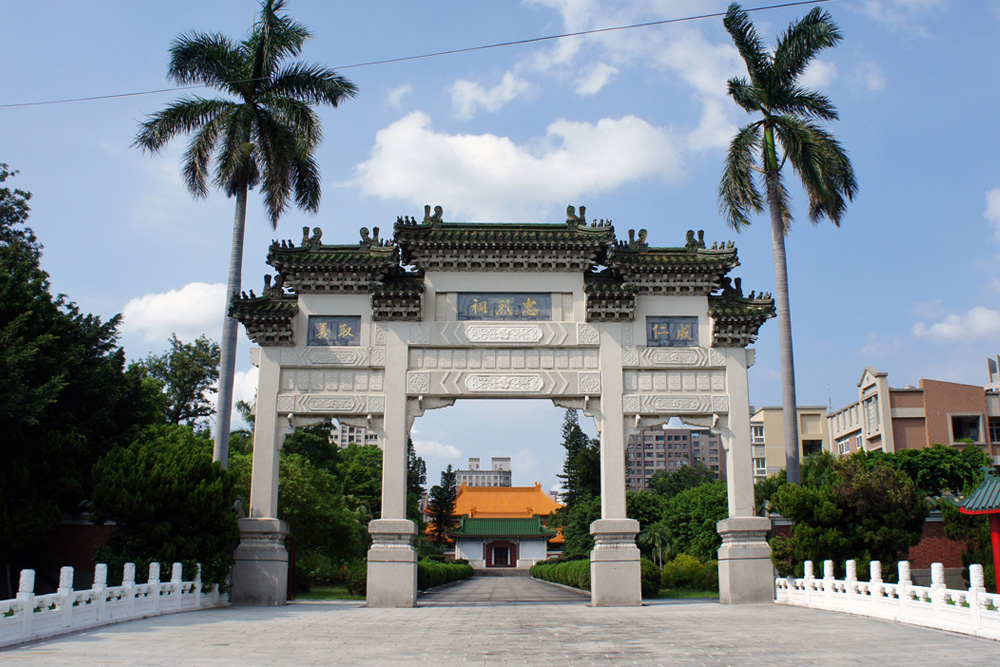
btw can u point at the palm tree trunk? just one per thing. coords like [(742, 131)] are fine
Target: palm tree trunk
[(789, 411), (227, 360)]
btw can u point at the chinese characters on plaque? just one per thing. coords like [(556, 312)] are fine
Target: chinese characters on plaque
[(504, 306), (334, 330), (671, 331)]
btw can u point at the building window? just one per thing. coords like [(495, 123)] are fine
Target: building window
[(871, 415), (760, 467), (843, 445), (966, 428), (757, 434), (995, 430)]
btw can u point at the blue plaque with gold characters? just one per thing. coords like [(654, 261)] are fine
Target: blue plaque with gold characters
[(504, 306), (334, 330), (671, 331)]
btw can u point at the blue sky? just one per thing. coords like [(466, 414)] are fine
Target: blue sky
[(631, 124)]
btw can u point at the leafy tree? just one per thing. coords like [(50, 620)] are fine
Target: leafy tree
[(262, 134), (655, 539), (864, 509), (360, 471), (416, 477), (170, 500), (789, 130), (644, 507), (939, 469), (973, 530), (65, 396), (582, 467), (442, 506), (314, 444), (668, 483), (187, 373), (576, 522), (690, 518)]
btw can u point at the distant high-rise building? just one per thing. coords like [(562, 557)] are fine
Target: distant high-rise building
[(670, 449), (344, 435), (499, 475)]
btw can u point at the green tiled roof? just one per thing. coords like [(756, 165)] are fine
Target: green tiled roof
[(471, 527), (986, 498)]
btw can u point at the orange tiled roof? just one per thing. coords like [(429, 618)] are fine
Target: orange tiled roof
[(504, 502)]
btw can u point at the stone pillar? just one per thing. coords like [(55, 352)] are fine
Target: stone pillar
[(260, 573), (615, 578), (745, 571), (392, 560)]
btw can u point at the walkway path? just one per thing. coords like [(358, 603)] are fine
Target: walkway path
[(487, 632), (502, 590)]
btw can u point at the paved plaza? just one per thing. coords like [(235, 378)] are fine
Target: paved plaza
[(509, 621)]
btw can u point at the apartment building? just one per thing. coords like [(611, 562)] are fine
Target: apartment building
[(658, 448)]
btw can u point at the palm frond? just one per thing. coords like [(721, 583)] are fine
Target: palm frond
[(739, 195), (182, 117), (312, 83), (198, 156), (209, 59), (305, 175), (746, 95), (298, 117), (800, 43), (274, 37), (236, 164), (278, 149), (798, 101), (747, 41), (822, 165)]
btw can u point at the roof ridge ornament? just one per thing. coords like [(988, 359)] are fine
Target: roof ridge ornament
[(313, 241), (370, 239), (576, 220), (435, 219), (633, 243), (276, 288), (695, 244)]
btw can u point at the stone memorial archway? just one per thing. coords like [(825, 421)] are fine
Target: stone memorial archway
[(377, 332)]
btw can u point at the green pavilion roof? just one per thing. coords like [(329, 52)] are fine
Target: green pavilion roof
[(525, 527), (986, 498)]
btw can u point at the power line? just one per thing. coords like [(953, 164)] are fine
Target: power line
[(436, 54)]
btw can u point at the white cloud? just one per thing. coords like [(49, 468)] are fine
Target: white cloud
[(597, 78), (468, 97), (879, 347), (394, 98), (431, 449), (992, 212), (872, 76), (902, 14), (193, 310), (818, 75), (485, 176), (980, 323)]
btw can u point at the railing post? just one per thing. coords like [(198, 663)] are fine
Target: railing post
[(100, 588), (937, 587), (977, 588), (154, 585), (851, 581), (26, 596), (875, 585), (65, 592), (128, 586), (828, 582), (904, 590), (175, 584), (807, 576), (197, 586)]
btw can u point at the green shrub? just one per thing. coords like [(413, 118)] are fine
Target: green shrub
[(650, 578), (431, 573), (688, 572), (569, 573), (357, 577)]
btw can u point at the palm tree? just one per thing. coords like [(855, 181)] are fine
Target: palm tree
[(262, 134), (789, 130)]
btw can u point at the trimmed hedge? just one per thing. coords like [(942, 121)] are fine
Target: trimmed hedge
[(688, 572), (432, 573), (650, 578), (575, 573)]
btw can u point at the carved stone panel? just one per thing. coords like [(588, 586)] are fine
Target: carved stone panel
[(504, 383), (307, 380), (653, 357), (484, 333), (676, 380), (504, 358)]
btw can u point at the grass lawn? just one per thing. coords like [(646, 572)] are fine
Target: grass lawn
[(329, 593), (685, 594)]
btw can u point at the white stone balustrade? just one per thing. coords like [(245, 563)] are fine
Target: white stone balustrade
[(30, 617), (973, 612)]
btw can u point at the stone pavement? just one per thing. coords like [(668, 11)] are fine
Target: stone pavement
[(510, 621)]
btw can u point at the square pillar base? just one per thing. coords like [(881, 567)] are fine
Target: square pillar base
[(746, 575), (260, 573), (615, 573), (392, 564)]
